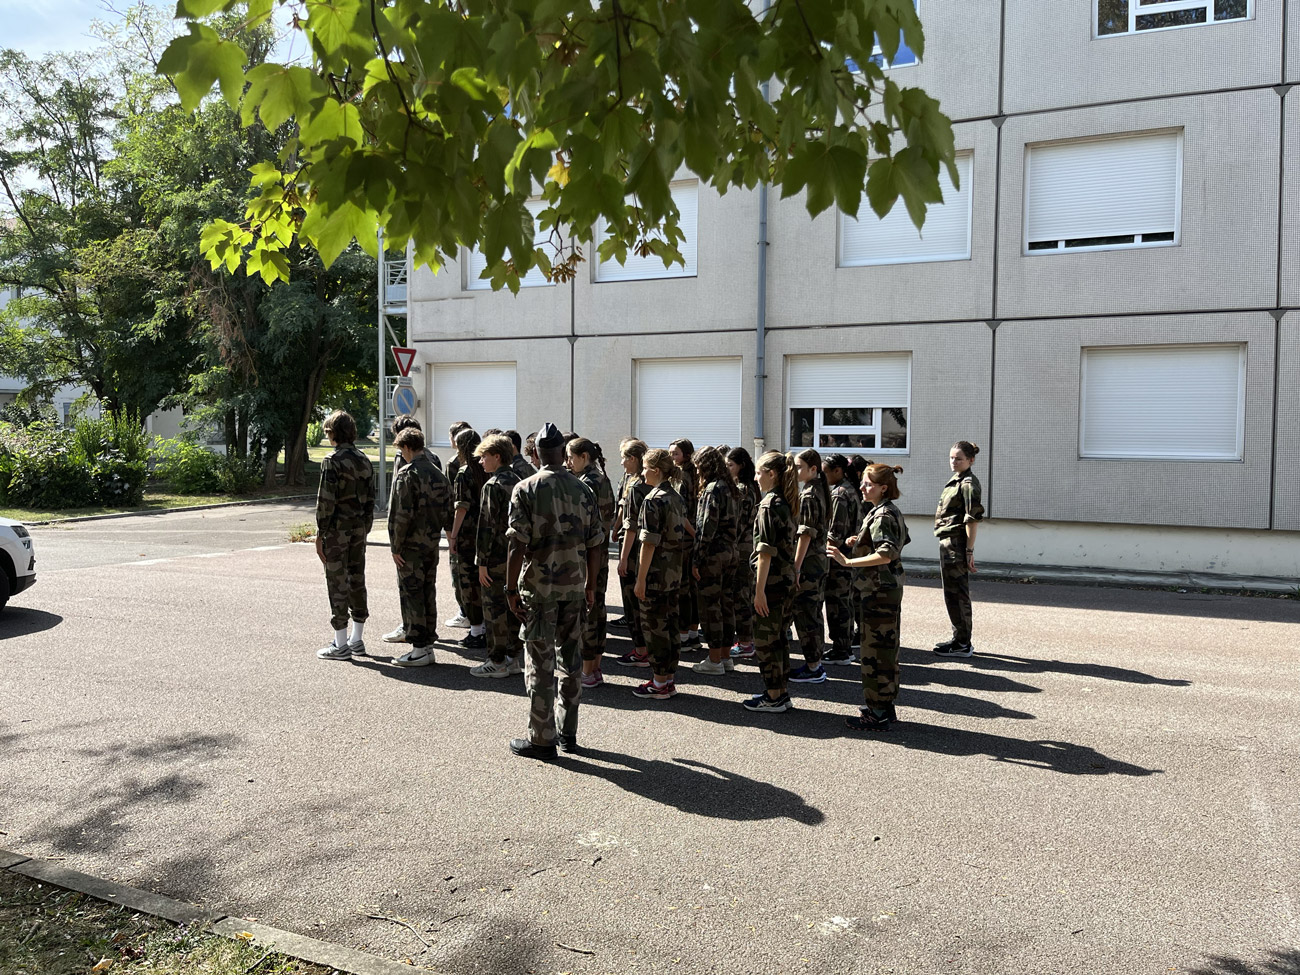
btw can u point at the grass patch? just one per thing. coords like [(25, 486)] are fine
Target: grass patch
[(46, 930), (304, 531), (159, 499)]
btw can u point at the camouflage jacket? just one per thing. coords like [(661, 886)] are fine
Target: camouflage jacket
[(631, 495), (883, 532), (846, 515), (419, 508), (748, 508), (600, 488), (774, 529), (663, 525), (959, 504), (491, 547), (554, 517), (717, 522), (814, 520), (346, 498), (399, 461), (466, 495), (523, 470), (686, 490)]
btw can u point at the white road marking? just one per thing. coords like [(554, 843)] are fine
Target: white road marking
[(172, 558)]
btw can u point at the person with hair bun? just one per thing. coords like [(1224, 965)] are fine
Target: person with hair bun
[(738, 592), (877, 551), (683, 453), (665, 540), (846, 515), (587, 461), (717, 522), (632, 491), (955, 522), (774, 578), (810, 565)]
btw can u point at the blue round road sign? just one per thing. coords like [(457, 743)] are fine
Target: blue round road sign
[(404, 400)]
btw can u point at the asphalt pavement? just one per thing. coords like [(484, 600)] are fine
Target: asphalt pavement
[(1109, 786)]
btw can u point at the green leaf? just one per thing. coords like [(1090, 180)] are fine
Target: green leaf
[(274, 91), (194, 9), (543, 140), (196, 60), (331, 234)]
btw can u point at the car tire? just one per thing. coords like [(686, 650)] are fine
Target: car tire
[(4, 590)]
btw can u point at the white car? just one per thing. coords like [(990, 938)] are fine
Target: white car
[(17, 560)]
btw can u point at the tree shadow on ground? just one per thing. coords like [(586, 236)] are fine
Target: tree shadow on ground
[(1278, 961), (695, 788), (20, 621)]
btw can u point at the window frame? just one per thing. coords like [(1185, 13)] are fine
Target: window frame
[(670, 273), (437, 437), (1145, 8), (471, 282), (878, 55), (877, 428)]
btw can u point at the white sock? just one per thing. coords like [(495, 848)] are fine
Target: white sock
[(477, 630), (357, 627), (693, 634), (341, 638)]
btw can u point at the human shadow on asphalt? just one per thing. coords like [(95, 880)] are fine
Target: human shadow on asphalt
[(695, 788), (1280, 961), (1076, 668), (20, 621)]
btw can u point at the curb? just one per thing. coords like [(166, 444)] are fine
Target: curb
[(338, 957), (171, 511), (1114, 578)]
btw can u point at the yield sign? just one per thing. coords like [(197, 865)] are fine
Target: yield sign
[(404, 359)]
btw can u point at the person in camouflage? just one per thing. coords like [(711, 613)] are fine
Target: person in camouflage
[(520, 463), (877, 552), (453, 558), (810, 565), (418, 510), (466, 492), (400, 423), (345, 513), (738, 594), (587, 462), (717, 525), (662, 532), (960, 510), (505, 650), (631, 494), (688, 612), (554, 561), (774, 577), (846, 515)]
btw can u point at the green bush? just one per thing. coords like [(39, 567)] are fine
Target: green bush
[(239, 475), (315, 433), (119, 483), (50, 480), (187, 467), (123, 435)]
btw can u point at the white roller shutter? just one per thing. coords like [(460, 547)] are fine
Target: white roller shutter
[(1103, 188), (1184, 402), (695, 399), (480, 393), (880, 379), (476, 263), (895, 239), (686, 194)]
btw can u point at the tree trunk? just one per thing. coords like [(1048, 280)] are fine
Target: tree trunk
[(241, 434), (272, 455), (232, 434), (295, 459)]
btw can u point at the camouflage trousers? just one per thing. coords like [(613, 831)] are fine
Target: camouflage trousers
[(956, 585), (416, 588), (808, 620), (688, 610), (345, 575), (880, 624), (631, 605), (841, 606), (593, 630), (552, 635), (470, 593), (738, 597), (717, 613), (502, 625), (770, 640), (659, 624), (453, 561)]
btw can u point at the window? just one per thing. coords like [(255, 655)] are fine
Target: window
[(480, 393), (476, 263), (903, 57), (1104, 194), (849, 404), (698, 399), (1183, 402), (1132, 16), (895, 240), (686, 195)]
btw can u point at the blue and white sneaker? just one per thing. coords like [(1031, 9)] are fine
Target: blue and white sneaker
[(332, 652), (805, 675), (761, 702)]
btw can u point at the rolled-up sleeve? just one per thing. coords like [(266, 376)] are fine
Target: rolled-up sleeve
[(764, 540), (521, 519), (971, 496), (652, 522)]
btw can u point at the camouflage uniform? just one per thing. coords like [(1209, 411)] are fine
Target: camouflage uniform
[(774, 529), (593, 631), (846, 515), (959, 505), (631, 495), (453, 560), (555, 520), (883, 532), (738, 591), (524, 470), (467, 496), (688, 611), (814, 520), (345, 513), (490, 551), (418, 510), (663, 525), (717, 519)]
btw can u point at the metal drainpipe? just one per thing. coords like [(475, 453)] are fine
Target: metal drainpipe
[(381, 497), (760, 328)]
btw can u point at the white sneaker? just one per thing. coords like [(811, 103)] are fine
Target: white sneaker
[(515, 667), (415, 657), (459, 620), (709, 667), (397, 636), (490, 668), (357, 648), (332, 652)]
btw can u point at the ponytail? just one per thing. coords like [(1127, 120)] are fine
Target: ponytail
[(632, 447), (888, 476), (814, 459), (787, 479), (581, 445)]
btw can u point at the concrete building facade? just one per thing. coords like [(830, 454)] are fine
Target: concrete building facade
[(1110, 306)]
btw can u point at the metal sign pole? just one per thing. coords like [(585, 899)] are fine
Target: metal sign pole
[(382, 296)]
